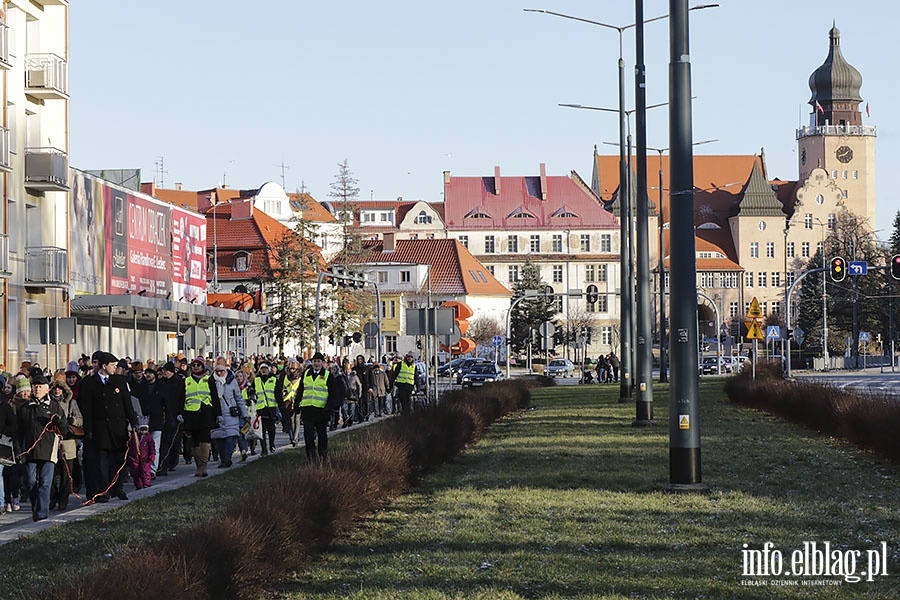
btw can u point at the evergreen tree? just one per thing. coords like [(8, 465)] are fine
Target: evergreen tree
[(531, 313), (284, 268)]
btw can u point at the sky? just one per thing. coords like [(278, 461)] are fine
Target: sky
[(228, 92)]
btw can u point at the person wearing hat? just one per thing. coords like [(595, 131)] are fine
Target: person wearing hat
[(152, 406), (171, 390), (266, 405), (41, 421), (319, 393), (106, 406), (286, 385), (199, 413), (404, 376), (64, 473)]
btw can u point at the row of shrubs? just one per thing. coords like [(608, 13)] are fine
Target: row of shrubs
[(299, 514), (868, 420)]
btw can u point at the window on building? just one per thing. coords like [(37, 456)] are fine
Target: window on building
[(557, 273), (776, 307), (464, 240), (490, 269), (733, 309), (589, 273), (748, 279), (770, 249), (390, 344), (707, 279), (557, 243), (855, 174), (845, 194), (388, 309), (602, 273), (368, 217), (765, 308), (512, 244), (832, 221), (602, 304), (488, 244), (791, 277), (808, 221), (804, 250), (834, 174), (790, 250), (423, 218), (558, 304), (730, 279), (605, 242), (242, 261), (382, 276), (534, 243), (845, 174), (754, 249), (606, 335), (776, 279), (513, 273), (819, 247), (761, 279), (585, 242), (387, 217), (405, 276)]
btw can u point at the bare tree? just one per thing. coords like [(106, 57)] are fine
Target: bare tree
[(482, 329)]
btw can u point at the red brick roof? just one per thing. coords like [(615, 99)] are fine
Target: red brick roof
[(520, 204), (453, 268)]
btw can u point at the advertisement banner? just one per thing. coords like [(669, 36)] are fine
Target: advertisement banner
[(87, 234), (188, 256)]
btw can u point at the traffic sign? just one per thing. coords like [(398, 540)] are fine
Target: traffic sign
[(773, 332), (857, 267), (864, 335), (754, 330), (755, 311), (496, 340), (593, 294), (799, 336)]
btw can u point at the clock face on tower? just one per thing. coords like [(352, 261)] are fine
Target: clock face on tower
[(844, 154)]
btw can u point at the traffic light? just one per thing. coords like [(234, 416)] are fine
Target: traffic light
[(838, 269), (895, 266), (589, 331), (557, 337), (357, 337), (790, 334)]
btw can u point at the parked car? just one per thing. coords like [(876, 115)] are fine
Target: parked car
[(709, 365), (458, 366), (466, 365), (560, 367), (481, 373)]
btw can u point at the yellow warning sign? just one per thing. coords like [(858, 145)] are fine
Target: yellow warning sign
[(755, 311), (754, 330), (684, 421)]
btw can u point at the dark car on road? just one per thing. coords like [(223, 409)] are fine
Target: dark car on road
[(480, 374), (457, 367)]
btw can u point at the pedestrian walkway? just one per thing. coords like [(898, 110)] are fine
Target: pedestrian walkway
[(19, 524)]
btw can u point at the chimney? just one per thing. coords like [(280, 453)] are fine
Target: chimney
[(497, 180), (446, 177), (543, 181), (241, 209), (389, 242), (178, 185), (205, 202)]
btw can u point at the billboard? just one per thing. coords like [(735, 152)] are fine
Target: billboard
[(125, 242)]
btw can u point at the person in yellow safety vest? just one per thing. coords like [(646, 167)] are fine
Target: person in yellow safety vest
[(285, 395), (200, 413), (267, 405), (318, 393), (404, 376)]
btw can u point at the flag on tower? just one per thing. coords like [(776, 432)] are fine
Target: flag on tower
[(819, 108), (868, 114)]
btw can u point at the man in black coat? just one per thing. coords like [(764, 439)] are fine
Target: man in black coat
[(171, 389), (107, 410), (366, 404)]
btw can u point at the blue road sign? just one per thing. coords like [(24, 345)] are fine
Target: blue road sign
[(864, 336), (858, 267), (497, 340), (773, 332)]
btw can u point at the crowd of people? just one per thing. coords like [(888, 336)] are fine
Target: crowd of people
[(86, 429)]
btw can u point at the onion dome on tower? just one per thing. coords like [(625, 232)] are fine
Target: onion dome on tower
[(835, 88)]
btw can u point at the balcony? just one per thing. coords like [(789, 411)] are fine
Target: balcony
[(46, 169), (4, 255), (4, 46), (848, 130), (51, 2), (5, 164), (46, 77), (46, 267)]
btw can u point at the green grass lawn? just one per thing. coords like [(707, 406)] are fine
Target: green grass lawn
[(567, 501)]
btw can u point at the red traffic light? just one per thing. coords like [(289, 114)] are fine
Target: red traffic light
[(895, 266), (838, 269)]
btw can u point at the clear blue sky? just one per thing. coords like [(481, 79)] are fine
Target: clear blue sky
[(407, 89)]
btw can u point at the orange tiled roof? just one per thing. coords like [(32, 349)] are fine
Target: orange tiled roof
[(454, 270), (710, 240), (312, 209)]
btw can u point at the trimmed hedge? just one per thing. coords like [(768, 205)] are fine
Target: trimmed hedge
[(299, 514)]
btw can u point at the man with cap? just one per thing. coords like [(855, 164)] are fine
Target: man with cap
[(40, 422), (404, 376), (318, 393), (266, 405), (108, 411)]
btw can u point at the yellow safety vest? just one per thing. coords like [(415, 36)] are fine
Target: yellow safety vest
[(407, 374), (315, 391), (196, 393), (265, 393), (290, 390)]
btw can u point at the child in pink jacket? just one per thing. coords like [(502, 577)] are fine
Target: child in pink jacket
[(141, 453)]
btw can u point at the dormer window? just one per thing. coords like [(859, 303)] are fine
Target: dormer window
[(475, 213), (520, 213), (563, 213), (423, 218), (242, 261)]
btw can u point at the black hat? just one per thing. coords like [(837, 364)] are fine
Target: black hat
[(122, 364), (39, 379), (318, 356), (104, 358), (96, 355), (170, 367)]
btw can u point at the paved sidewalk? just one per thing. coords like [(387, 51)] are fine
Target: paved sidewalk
[(19, 524)]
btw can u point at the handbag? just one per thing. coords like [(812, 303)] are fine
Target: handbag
[(7, 453), (234, 411)]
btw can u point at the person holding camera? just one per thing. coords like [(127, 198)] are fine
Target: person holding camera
[(234, 412)]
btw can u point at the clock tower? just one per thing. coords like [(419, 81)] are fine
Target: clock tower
[(836, 139)]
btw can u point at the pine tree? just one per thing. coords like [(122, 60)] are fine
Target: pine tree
[(531, 313)]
